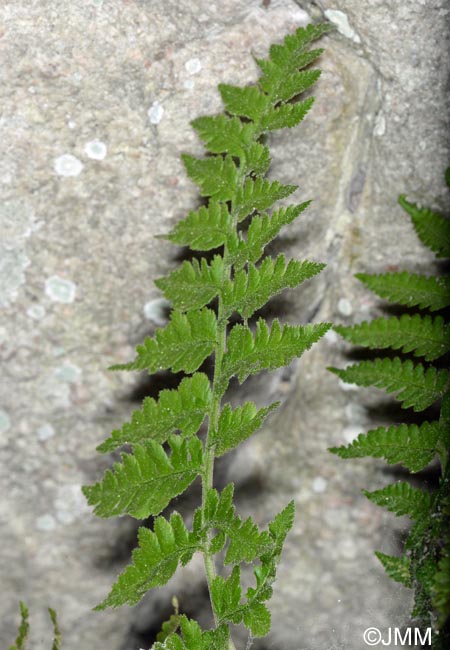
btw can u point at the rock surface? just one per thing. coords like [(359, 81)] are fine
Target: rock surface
[(96, 102)]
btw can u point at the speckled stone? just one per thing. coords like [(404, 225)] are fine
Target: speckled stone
[(131, 75)]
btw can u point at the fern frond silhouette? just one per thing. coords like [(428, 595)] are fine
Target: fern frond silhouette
[(425, 565), (167, 452)]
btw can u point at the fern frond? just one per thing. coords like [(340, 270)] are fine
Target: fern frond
[(215, 176), (267, 349), (182, 409), (432, 228), (410, 289), (424, 336), (402, 499), (397, 568), (236, 426), (222, 134), (204, 229), (261, 231), (57, 639), (250, 290), (441, 586), (247, 102), (154, 561), (259, 194), (256, 159), (418, 387), (183, 344), (286, 115), (24, 629), (194, 284), (193, 638), (145, 482), (285, 60), (411, 445)]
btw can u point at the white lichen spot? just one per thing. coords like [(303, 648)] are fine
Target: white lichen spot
[(347, 387), (37, 312), (45, 523), (60, 290), (68, 373), (351, 432), (45, 431), (95, 149), (379, 128), (70, 503), (300, 17), (344, 307), (67, 165), (193, 66), (155, 113), (189, 84), (71, 124), (331, 337), (319, 484), (340, 19), (156, 310), (5, 422)]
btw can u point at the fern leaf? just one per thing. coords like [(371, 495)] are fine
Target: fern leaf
[(411, 445), (215, 176), (441, 586), (194, 639), (286, 59), (145, 482), (154, 561), (57, 640), (194, 284), (296, 82), (397, 568), (418, 387), (236, 426), (24, 629), (183, 409), (402, 499), (432, 228), (286, 115), (255, 160), (183, 344), (425, 336), (261, 231), (223, 134), (259, 194), (251, 290), (267, 349), (247, 102), (203, 230), (410, 289)]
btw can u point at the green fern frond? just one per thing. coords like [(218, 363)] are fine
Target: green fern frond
[(247, 102), (410, 289), (57, 639), (145, 482), (411, 445), (402, 499), (267, 349), (250, 290), (259, 194), (286, 115), (193, 638), (417, 387), (183, 344), (183, 409), (154, 561), (397, 568), (222, 134), (194, 284), (204, 229), (24, 629), (215, 176), (432, 228), (261, 231), (423, 335), (236, 426)]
